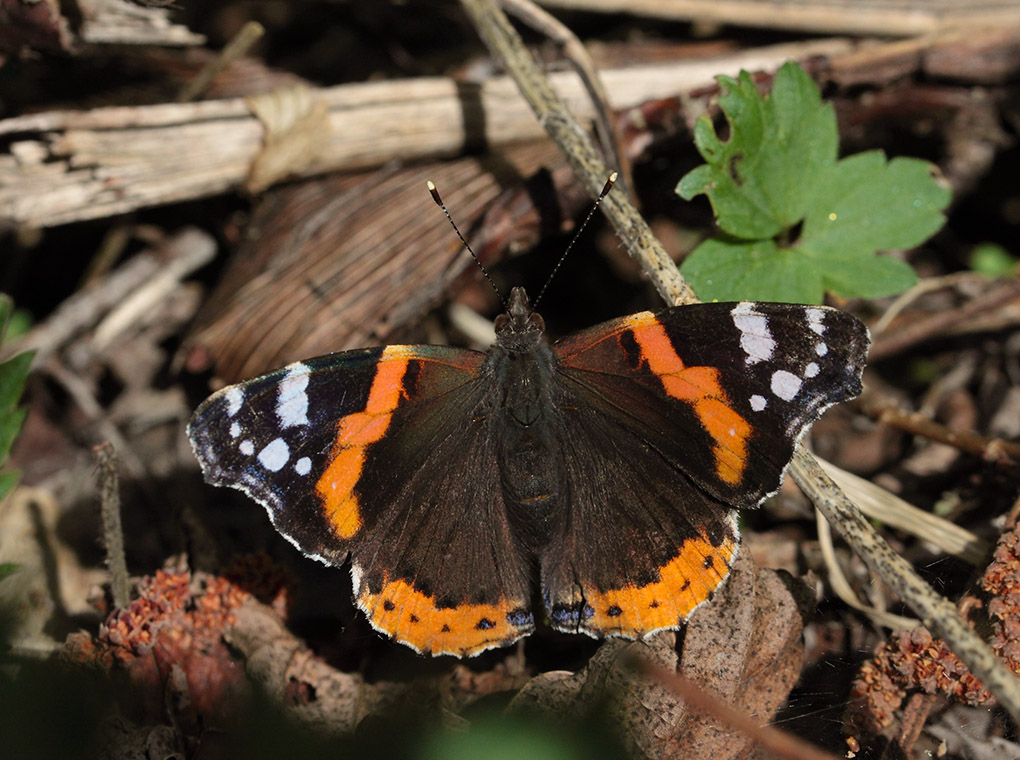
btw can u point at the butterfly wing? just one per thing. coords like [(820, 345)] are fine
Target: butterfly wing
[(674, 418), (723, 391), (640, 546), (383, 456)]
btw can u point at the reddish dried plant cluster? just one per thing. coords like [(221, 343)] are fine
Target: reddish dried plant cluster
[(1002, 582), (913, 660), (168, 642)]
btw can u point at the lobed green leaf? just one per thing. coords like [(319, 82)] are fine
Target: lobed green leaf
[(778, 169)]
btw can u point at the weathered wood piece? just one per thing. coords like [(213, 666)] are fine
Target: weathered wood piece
[(66, 166)]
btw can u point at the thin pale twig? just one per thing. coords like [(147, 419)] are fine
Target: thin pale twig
[(1000, 452), (936, 325), (575, 52), (241, 42), (888, 508), (839, 583)]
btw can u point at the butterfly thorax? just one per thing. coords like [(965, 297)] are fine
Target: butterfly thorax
[(526, 413)]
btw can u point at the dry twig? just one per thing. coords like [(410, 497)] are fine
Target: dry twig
[(120, 297), (553, 114), (577, 54), (249, 34), (1003, 454), (938, 325), (113, 534), (780, 743)]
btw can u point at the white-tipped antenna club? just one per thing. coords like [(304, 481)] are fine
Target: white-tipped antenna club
[(605, 191), (439, 202)]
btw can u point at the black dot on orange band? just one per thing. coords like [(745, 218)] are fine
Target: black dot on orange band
[(709, 562), (413, 618), (389, 606), (485, 624), (687, 585), (654, 604), (446, 628), (614, 611)]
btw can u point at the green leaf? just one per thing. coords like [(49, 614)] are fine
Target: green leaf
[(505, 738), (13, 374), (762, 180), (867, 204), (10, 424), (8, 480), (868, 276), (992, 260), (778, 170), (722, 267), (6, 309), (19, 324)]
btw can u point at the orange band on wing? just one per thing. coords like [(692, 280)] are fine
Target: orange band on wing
[(685, 582), (699, 387), (355, 433), (413, 618)]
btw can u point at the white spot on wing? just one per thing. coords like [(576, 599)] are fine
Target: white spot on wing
[(235, 430), (275, 455), (755, 337), (758, 402), (821, 349), (303, 466), (356, 574), (811, 370), (785, 384), (247, 448), (814, 318), (291, 400), (235, 400)]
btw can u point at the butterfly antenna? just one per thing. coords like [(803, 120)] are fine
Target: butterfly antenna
[(605, 191), (439, 202)]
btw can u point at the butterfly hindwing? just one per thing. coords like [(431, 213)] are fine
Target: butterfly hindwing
[(638, 546), (363, 454)]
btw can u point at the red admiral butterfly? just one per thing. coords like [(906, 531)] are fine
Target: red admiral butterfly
[(607, 465)]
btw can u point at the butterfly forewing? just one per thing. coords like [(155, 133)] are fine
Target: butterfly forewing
[(723, 390), (363, 455)]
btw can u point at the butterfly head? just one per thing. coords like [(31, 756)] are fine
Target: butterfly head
[(519, 329)]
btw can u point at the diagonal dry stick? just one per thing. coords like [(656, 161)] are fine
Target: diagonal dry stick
[(505, 44), (938, 614), (575, 52)]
